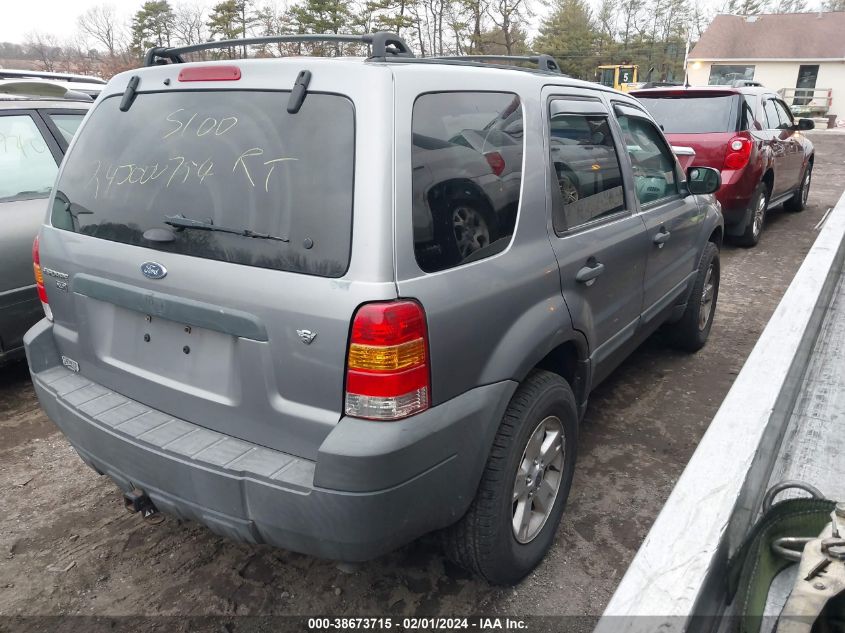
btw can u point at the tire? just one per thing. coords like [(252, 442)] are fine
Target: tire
[(798, 202), (473, 227), (485, 541), (690, 333), (759, 205)]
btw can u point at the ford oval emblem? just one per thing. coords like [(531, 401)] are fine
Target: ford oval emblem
[(153, 270)]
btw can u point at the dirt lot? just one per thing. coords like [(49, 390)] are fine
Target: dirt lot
[(68, 547)]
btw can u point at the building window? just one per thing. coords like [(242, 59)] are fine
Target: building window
[(726, 75)]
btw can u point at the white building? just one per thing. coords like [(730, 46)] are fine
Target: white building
[(785, 52)]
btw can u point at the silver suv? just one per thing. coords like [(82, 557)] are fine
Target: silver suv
[(266, 315)]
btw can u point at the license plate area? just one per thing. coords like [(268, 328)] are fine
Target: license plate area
[(163, 351)]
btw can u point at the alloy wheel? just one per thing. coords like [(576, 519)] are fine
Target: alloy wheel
[(568, 190), (471, 231), (706, 307), (759, 215), (538, 479), (805, 187)]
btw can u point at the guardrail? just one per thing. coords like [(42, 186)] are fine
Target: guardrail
[(676, 581)]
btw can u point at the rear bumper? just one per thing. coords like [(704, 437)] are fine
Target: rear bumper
[(374, 486)]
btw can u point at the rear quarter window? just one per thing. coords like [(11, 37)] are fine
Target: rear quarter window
[(232, 159), (467, 152)]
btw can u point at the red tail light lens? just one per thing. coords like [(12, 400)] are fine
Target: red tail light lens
[(387, 375), (210, 73), (39, 279), (496, 162), (739, 152)]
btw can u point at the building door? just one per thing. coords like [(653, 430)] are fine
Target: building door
[(807, 75)]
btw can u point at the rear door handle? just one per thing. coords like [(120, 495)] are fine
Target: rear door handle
[(662, 237), (588, 274)]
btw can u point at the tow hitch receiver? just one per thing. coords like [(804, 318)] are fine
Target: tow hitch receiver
[(137, 501)]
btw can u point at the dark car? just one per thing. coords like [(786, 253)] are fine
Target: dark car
[(748, 133), (34, 135)]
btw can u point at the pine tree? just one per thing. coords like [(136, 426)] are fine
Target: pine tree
[(745, 7), (322, 16), (152, 25), (791, 6), (230, 20), (568, 33)]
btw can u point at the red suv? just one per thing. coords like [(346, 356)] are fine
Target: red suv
[(751, 136)]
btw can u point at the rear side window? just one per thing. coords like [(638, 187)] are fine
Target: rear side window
[(694, 115), (466, 150), (586, 165), (27, 168), (276, 187)]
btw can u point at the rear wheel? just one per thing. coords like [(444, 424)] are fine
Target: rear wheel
[(512, 521), (692, 331), (798, 201), (472, 230), (757, 217)]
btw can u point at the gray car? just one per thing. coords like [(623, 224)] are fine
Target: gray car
[(248, 329), (34, 134)]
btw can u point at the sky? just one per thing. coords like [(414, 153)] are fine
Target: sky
[(58, 17)]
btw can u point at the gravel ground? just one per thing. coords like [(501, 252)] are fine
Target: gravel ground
[(67, 546)]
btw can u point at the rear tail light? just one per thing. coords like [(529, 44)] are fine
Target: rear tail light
[(496, 162), (39, 279), (387, 375), (210, 73), (739, 152)]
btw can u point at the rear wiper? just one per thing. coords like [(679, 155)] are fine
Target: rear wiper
[(180, 223)]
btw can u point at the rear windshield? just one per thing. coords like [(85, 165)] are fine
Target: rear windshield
[(694, 115), (280, 183)]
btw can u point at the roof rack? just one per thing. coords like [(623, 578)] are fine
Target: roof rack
[(544, 62), (383, 45)]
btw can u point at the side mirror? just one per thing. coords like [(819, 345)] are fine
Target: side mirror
[(702, 180), (806, 124)]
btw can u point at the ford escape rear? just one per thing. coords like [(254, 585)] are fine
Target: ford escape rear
[(336, 304)]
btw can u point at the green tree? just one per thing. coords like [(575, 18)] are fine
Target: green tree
[(152, 25), (569, 34), (834, 5), (323, 16), (745, 7), (231, 20), (790, 6), (494, 42)]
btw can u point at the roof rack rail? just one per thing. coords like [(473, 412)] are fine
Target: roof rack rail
[(544, 62), (746, 83), (383, 45)]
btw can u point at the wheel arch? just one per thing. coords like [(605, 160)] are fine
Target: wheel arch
[(543, 337)]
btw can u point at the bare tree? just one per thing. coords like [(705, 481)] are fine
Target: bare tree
[(507, 16), (45, 48), (101, 25)]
